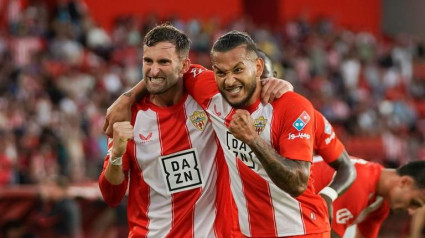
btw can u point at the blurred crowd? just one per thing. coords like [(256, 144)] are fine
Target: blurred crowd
[(59, 71)]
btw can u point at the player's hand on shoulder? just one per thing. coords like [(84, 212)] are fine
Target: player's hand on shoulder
[(274, 88)]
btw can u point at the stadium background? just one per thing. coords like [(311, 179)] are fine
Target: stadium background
[(62, 62)]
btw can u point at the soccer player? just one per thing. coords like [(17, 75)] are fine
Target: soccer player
[(373, 194), (328, 146), (178, 180)]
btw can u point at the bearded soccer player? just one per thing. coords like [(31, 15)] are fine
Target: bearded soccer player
[(178, 178), (373, 194), (328, 146)]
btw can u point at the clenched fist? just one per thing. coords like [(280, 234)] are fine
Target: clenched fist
[(242, 127), (123, 131)]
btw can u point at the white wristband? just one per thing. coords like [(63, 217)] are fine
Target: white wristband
[(330, 192), (114, 160)]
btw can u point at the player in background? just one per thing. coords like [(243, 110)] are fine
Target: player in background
[(373, 194)]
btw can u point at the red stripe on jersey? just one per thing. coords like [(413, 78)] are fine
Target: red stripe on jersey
[(139, 208), (224, 201), (258, 201), (170, 130)]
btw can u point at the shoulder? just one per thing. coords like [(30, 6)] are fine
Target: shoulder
[(292, 97), (196, 71), (293, 102)]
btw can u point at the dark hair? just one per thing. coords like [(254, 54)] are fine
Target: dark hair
[(167, 32), (268, 64), (232, 40), (416, 170)]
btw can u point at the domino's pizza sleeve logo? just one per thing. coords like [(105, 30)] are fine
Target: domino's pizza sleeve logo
[(301, 121)]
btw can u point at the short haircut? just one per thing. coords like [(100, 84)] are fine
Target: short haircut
[(268, 63), (232, 40), (416, 170), (167, 32)]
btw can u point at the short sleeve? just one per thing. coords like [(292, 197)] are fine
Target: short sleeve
[(200, 83), (295, 123), (326, 142)]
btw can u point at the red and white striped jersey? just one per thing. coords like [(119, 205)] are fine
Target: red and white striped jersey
[(264, 210), (178, 180), (359, 204)]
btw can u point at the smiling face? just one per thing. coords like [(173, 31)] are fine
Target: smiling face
[(406, 195), (237, 73), (162, 67)]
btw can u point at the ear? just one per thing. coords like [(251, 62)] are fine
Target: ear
[(259, 63), (274, 73), (186, 65), (406, 181)]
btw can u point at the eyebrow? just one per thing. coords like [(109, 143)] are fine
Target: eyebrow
[(237, 65)]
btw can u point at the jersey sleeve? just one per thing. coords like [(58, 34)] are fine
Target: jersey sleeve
[(200, 83), (113, 194), (295, 120), (371, 225), (326, 143)]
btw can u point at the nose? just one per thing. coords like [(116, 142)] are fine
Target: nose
[(154, 70), (229, 80)]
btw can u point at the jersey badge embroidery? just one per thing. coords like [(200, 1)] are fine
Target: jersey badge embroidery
[(301, 121), (199, 120), (260, 123)]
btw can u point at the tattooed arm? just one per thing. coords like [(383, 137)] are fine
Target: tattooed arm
[(289, 175)]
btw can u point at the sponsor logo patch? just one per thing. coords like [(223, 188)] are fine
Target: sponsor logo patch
[(199, 120), (299, 135), (343, 215), (328, 127), (181, 171), (241, 150), (301, 121)]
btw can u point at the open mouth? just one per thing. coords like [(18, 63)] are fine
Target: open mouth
[(156, 79), (234, 90)]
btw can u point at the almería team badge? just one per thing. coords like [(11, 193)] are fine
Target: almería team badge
[(260, 124), (199, 119)]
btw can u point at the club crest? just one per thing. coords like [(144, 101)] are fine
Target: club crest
[(199, 119), (260, 124)]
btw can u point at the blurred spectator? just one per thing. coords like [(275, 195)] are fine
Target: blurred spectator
[(59, 214)]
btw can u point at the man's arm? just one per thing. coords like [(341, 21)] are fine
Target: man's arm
[(113, 180), (344, 177), (120, 110), (289, 175)]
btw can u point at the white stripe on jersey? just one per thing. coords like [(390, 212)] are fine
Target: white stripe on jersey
[(205, 212), (159, 209), (287, 211)]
